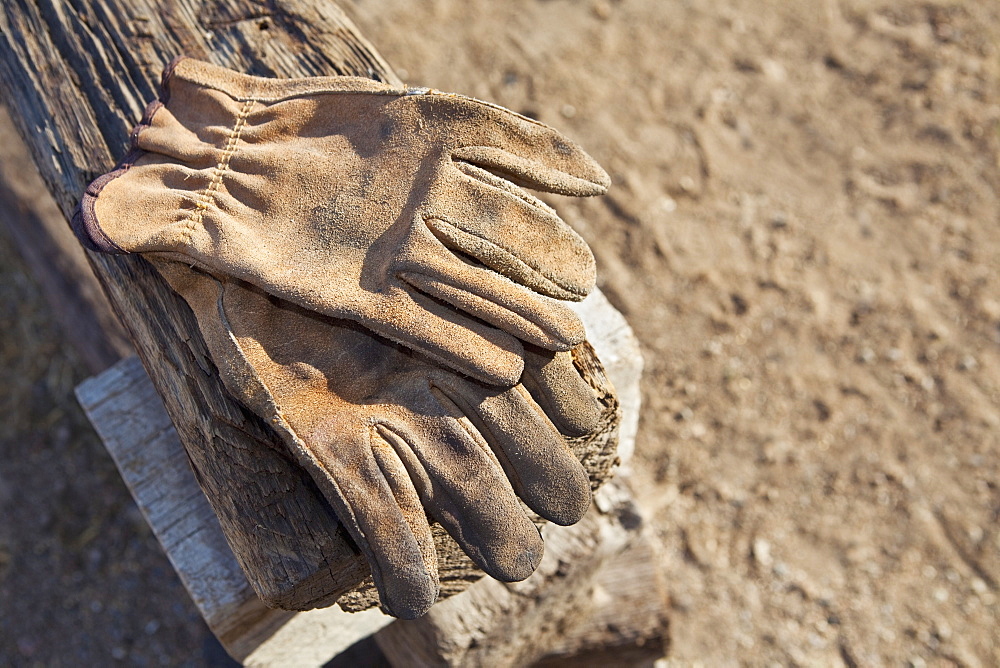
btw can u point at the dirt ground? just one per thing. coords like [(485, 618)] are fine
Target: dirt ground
[(803, 232)]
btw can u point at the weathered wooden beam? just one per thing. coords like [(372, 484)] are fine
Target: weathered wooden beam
[(77, 78)]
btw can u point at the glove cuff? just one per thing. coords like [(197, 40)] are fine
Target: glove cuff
[(85, 223)]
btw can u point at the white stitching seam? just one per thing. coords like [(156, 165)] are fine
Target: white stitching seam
[(194, 219)]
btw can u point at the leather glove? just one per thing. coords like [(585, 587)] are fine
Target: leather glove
[(400, 209), (390, 438)]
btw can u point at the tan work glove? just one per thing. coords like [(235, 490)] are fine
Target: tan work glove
[(399, 209), (390, 438)]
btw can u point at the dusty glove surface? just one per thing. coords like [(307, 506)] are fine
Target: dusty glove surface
[(402, 210), (390, 438)]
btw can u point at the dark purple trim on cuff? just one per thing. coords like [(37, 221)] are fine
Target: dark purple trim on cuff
[(84, 221), (85, 224)]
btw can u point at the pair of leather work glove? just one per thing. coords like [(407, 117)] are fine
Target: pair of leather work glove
[(371, 278)]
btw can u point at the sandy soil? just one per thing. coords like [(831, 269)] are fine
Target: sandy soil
[(803, 233)]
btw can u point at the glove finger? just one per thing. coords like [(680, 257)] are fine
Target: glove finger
[(539, 464), (464, 488), (373, 495), (538, 175), (513, 233), (447, 336), (491, 298), (520, 149), (567, 399)]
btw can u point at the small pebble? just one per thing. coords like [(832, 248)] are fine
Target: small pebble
[(762, 552)]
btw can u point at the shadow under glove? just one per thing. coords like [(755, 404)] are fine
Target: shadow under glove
[(400, 209), (390, 438)]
